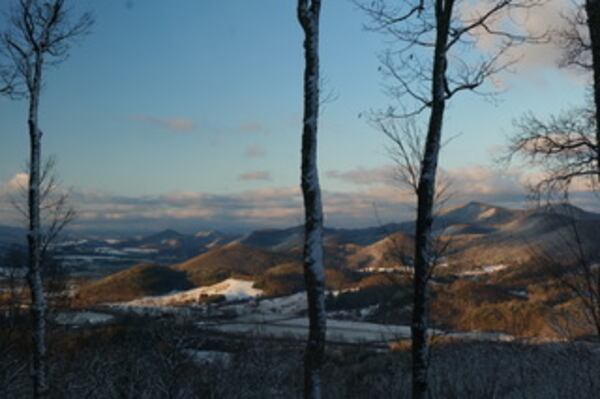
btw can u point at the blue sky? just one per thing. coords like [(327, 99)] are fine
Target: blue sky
[(204, 98)]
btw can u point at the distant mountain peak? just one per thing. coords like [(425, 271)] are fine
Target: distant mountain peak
[(205, 233), (567, 209), (477, 213), (169, 232), (479, 205), (471, 208)]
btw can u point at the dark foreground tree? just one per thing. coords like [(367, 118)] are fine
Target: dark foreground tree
[(314, 271), (439, 54), (55, 214), (592, 8), (581, 42), (39, 34)]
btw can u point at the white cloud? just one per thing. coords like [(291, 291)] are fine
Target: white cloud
[(362, 205), (174, 124), (361, 175), (548, 19), (17, 182), (259, 175), (255, 151)]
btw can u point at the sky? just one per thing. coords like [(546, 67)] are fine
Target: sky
[(187, 114)]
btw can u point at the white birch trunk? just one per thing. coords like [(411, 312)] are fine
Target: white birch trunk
[(425, 206), (34, 276), (314, 274)]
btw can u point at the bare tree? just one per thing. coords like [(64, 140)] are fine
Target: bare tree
[(563, 148), (581, 43), (592, 8), (578, 271), (39, 34), (56, 211), (406, 151), (566, 147), (6, 81), (308, 12), (55, 214), (438, 56)]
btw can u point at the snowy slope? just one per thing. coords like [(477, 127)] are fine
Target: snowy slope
[(232, 289)]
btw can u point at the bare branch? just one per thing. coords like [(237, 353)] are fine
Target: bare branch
[(412, 26), (563, 147), (37, 31)]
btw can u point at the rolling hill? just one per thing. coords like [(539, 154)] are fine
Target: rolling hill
[(481, 237), (135, 282), (232, 260), (518, 236)]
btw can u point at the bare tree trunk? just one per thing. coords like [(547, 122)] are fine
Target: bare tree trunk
[(37, 29), (34, 277), (314, 274), (425, 207), (592, 8)]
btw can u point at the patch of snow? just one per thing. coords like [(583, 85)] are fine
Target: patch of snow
[(232, 289), (369, 310), (519, 293), (487, 214), (206, 357), (213, 243), (202, 234), (71, 243), (484, 270), (16, 272), (336, 293), (109, 251), (84, 258), (337, 330), (372, 269), (481, 336), (82, 318), (290, 304), (140, 250)]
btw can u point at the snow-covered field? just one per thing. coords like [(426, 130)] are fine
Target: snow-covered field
[(343, 331), (338, 331), (14, 272), (207, 357), (385, 269), (244, 312), (82, 318), (232, 289), (484, 270)]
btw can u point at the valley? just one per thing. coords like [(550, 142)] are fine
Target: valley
[(215, 301), (490, 281)]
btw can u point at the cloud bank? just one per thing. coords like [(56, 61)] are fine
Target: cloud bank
[(259, 175), (380, 201), (171, 124)]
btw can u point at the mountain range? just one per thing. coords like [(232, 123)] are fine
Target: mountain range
[(478, 238), (476, 232)]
